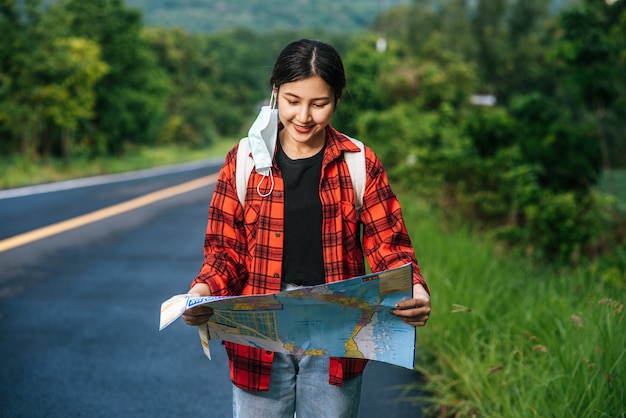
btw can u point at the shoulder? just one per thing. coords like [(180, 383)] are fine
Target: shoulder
[(240, 149), (230, 162), (345, 144)]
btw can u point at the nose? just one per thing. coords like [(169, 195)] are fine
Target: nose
[(303, 113)]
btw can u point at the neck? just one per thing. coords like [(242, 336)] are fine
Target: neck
[(299, 150)]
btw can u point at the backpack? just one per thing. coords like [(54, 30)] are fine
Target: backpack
[(355, 161)]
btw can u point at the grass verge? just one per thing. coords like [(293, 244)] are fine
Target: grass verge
[(17, 171), (507, 339)]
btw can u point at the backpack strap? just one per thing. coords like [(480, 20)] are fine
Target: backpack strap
[(355, 161), (245, 163), (356, 166)]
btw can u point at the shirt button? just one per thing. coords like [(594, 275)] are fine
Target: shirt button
[(277, 234), (279, 194), (276, 275)]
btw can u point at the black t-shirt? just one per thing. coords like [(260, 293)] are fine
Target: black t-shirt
[(303, 262)]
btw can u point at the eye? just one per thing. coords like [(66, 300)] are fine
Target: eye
[(319, 105)]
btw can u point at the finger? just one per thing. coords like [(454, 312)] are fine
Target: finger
[(196, 320), (412, 303), (411, 314), (197, 316), (417, 323), (417, 320)]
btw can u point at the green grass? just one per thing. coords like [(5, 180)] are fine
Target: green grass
[(507, 339), (17, 171)]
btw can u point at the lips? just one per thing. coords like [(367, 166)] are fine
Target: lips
[(302, 129)]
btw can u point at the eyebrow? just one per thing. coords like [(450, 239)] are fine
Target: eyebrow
[(313, 99)]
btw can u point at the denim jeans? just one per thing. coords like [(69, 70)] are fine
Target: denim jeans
[(299, 386)]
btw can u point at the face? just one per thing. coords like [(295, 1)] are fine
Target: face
[(305, 108)]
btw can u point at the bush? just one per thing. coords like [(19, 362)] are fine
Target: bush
[(562, 226), (506, 339)]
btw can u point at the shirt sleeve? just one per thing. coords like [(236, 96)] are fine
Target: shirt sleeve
[(223, 268), (386, 241)]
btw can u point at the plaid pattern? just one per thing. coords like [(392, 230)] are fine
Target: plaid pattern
[(244, 245)]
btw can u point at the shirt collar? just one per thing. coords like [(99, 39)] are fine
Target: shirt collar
[(337, 144)]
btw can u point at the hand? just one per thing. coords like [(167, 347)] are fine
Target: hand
[(198, 315), (414, 311)]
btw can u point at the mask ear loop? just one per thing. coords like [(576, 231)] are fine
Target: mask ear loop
[(273, 103), (258, 186), (273, 100)]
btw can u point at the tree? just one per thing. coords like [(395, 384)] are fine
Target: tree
[(490, 34), (594, 61), (364, 67), (74, 67), (17, 114), (131, 98), (48, 79), (192, 74)]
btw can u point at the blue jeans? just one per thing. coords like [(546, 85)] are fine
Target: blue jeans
[(299, 385)]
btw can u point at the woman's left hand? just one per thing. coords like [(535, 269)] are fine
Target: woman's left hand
[(414, 311)]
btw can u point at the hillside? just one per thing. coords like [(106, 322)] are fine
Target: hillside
[(213, 15), (336, 16)]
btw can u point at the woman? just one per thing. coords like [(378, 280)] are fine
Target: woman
[(300, 227)]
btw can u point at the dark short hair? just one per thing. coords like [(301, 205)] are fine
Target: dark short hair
[(306, 58)]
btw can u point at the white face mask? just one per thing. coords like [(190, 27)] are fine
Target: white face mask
[(262, 142), (262, 138)]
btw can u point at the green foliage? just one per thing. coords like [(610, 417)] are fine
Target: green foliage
[(18, 170), (507, 339), (76, 64), (564, 146), (213, 15), (561, 224), (591, 46), (517, 168), (48, 82), (78, 78), (131, 97), (190, 70), (364, 67), (490, 129)]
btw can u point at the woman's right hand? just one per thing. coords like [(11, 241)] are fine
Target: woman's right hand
[(198, 315)]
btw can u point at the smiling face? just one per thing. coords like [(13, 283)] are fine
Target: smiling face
[(305, 108)]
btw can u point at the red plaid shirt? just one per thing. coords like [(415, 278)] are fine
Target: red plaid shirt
[(244, 245)]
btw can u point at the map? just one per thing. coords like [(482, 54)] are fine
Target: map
[(351, 318)]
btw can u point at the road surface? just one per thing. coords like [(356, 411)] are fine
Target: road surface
[(79, 303)]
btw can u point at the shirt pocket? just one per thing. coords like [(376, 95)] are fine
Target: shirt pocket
[(251, 218), (350, 235)]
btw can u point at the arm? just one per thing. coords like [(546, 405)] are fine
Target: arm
[(223, 269), (386, 241)]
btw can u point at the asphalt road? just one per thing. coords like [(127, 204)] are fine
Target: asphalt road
[(79, 310)]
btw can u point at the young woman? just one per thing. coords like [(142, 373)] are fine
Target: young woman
[(300, 227)]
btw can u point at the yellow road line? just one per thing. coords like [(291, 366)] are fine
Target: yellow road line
[(98, 215)]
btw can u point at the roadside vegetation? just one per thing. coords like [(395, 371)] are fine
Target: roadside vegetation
[(510, 338), (19, 171), (500, 121)]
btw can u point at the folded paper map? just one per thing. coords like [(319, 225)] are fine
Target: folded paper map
[(351, 318)]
